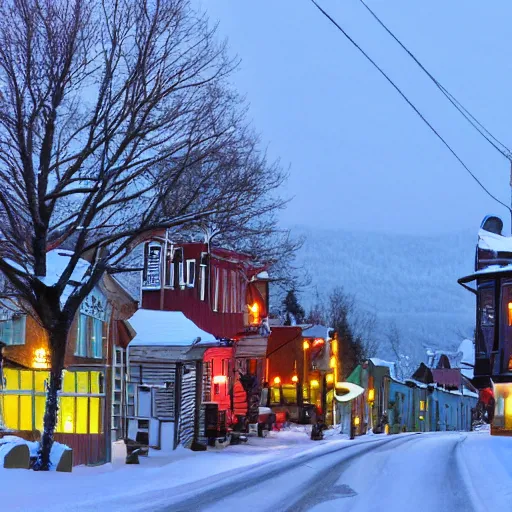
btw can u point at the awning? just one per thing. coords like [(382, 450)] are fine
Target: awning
[(355, 376)]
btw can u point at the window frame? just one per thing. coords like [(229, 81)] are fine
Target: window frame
[(14, 340), (88, 347), (190, 283), (169, 269)]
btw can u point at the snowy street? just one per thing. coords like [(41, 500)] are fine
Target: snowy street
[(421, 472)]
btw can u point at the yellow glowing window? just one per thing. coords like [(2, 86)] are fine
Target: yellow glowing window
[(510, 313), (82, 382), (25, 412), (334, 346), (290, 394), (11, 411), (67, 415), (95, 383), (26, 380), (94, 416), (68, 383), (82, 413), (40, 379), (11, 379), (422, 405)]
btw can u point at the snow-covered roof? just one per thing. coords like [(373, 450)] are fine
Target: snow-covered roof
[(493, 242), (167, 328), (380, 362), (315, 331), (467, 349), (57, 261)]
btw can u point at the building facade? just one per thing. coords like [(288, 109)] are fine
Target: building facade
[(492, 285), (91, 400), (217, 295)]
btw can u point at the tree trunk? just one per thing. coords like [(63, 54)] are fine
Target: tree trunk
[(58, 340)]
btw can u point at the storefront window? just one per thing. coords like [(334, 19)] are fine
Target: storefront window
[(81, 401), (290, 393)]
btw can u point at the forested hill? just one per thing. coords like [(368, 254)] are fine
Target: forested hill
[(411, 279)]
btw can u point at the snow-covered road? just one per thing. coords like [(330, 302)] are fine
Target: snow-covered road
[(470, 472), (418, 472)]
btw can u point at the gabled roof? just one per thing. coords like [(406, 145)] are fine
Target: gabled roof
[(167, 328)]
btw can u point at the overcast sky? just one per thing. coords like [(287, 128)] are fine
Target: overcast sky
[(359, 157)]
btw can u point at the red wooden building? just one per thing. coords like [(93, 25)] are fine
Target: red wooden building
[(224, 294)]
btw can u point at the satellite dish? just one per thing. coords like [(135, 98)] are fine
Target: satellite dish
[(493, 224)]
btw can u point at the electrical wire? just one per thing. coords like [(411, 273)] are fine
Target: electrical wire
[(479, 127), (409, 102)]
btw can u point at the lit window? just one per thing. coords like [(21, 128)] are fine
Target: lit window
[(191, 273), (80, 401), (510, 314), (422, 405)]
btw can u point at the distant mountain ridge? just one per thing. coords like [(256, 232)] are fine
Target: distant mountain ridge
[(411, 279)]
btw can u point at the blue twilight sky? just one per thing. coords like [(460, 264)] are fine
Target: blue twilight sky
[(360, 158)]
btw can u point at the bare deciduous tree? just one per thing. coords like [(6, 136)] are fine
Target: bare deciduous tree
[(404, 364), (115, 119)]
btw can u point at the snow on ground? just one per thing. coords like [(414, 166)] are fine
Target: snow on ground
[(286, 471), (86, 487)]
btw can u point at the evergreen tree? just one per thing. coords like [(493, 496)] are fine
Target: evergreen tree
[(294, 312)]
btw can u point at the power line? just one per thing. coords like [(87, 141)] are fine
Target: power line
[(409, 102), (479, 127)]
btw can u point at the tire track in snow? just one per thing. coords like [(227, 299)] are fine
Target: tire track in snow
[(424, 476), (265, 482), (325, 487)]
